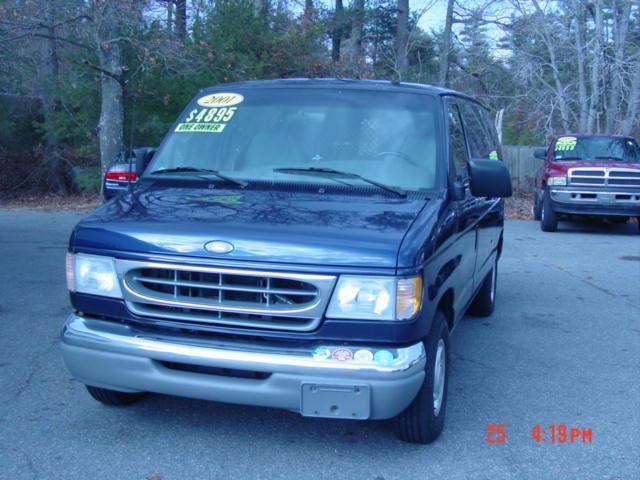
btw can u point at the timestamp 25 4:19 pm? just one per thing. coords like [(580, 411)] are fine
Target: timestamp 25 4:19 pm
[(553, 433)]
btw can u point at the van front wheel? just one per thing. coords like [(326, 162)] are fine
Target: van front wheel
[(112, 397), (423, 420)]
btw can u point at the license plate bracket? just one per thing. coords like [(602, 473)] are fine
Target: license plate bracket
[(336, 401)]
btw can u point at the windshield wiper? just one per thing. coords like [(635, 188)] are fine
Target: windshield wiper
[(206, 171), (331, 171), (617, 159)]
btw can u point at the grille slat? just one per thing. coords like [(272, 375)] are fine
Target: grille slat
[(221, 286), (257, 299)]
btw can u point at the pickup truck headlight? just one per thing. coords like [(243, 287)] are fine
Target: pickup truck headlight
[(376, 298), (92, 274), (557, 181)]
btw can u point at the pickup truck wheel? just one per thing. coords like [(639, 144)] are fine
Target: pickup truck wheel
[(423, 420), (485, 301), (536, 208), (112, 397), (548, 217)]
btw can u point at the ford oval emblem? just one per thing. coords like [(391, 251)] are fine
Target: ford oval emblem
[(218, 246)]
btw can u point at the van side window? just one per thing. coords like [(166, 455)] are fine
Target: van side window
[(457, 147), (482, 142)]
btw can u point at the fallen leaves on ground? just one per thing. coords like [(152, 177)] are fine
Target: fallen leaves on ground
[(519, 206), (52, 203)]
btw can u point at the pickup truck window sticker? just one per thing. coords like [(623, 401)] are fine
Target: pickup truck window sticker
[(566, 143), (212, 120)]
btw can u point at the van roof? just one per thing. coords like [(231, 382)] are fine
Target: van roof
[(376, 85)]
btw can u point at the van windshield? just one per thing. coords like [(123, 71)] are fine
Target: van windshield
[(273, 134)]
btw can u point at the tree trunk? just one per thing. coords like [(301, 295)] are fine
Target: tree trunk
[(621, 14), (110, 126), (261, 11), (402, 37), (181, 20), (308, 10), (356, 37), (445, 46), (307, 17), (633, 103), (336, 39), (596, 52), (553, 63), (52, 155), (580, 20), (170, 15)]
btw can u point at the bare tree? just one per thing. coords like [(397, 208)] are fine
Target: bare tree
[(445, 45), (596, 62), (402, 37), (51, 103), (633, 104), (338, 31), (357, 27), (108, 38), (620, 27), (579, 36), (181, 20)]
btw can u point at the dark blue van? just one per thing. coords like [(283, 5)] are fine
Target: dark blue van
[(300, 244)]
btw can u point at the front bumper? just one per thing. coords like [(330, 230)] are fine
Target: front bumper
[(119, 357), (584, 201)]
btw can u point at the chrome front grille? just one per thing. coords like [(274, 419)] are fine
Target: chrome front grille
[(211, 295), (604, 177)]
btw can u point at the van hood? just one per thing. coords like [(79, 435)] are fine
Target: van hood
[(263, 226)]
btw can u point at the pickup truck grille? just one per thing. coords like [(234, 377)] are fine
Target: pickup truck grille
[(243, 298), (604, 177)]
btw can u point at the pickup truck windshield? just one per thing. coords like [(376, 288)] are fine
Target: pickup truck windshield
[(597, 149), (266, 134)]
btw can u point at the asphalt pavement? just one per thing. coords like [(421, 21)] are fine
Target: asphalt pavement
[(563, 347)]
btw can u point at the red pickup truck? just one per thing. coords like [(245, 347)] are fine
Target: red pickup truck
[(587, 174)]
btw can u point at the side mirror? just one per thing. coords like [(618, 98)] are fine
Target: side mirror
[(540, 153), (125, 170), (489, 178)]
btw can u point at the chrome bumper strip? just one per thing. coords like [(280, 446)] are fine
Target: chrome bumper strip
[(118, 338)]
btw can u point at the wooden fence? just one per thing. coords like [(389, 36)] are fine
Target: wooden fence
[(522, 165)]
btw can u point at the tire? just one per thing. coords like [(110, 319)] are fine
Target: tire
[(112, 397), (485, 301), (423, 420), (617, 219), (548, 217), (536, 208)]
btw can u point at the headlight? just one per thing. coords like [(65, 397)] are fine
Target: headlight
[(376, 298), (92, 274), (557, 181)]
